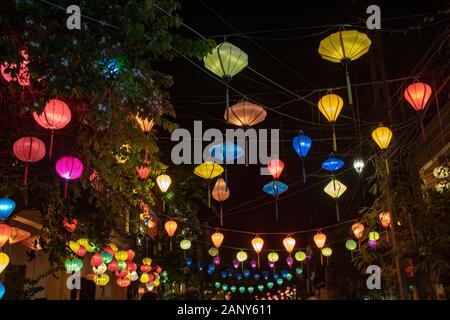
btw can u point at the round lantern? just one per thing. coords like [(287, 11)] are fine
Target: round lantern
[(382, 136), (208, 170), (69, 168), (145, 268), (101, 280), (330, 106), (374, 236), (257, 244), (73, 265), (4, 261), (351, 244), (289, 244), (213, 251), (220, 193), (81, 251), (217, 238), (185, 244), (144, 278), (301, 144), (147, 261), (56, 115), (273, 257), (241, 256), (134, 276), (113, 265), (28, 149), (145, 124), (358, 229), (5, 232), (7, 206), (326, 252), (300, 256), (96, 260), (171, 227), (319, 239), (163, 181)]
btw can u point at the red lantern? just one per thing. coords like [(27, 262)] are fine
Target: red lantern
[(96, 260), (113, 266), (70, 224), (143, 172), (158, 269), (56, 115), (81, 252), (110, 250), (122, 273), (145, 268), (131, 266), (275, 167), (123, 282), (131, 254), (5, 232), (418, 94), (151, 277), (29, 149)]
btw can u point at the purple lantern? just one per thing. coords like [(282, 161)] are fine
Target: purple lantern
[(236, 263), (290, 261), (372, 244), (271, 264), (217, 260), (253, 264), (69, 168), (308, 257)]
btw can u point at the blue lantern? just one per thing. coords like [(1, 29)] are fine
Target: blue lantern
[(332, 164), (284, 272), (276, 276), (7, 206), (189, 261), (256, 277), (275, 188), (265, 275), (226, 151), (246, 273), (224, 274), (200, 265), (2, 290), (302, 144), (239, 276)]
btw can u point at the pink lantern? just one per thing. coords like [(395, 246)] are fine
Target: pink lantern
[(131, 254), (289, 261), (96, 260), (81, 252), (131, 266), (69, 168), (113, 266), (236, 264), (275, 167), (56, 115), (29, 149)]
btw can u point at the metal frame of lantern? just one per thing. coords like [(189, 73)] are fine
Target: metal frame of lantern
[(302, 144)]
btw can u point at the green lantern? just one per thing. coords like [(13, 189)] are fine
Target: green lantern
[(260, 287), (106, 257), (213, 251), (241, 289), (374, 236), (233, 289), (224, 287), (217, 284), (270, 284), (351, 244), (279, 281), (73, 265), (289, 277), (300, 256), (122, 265), (185, 244), (298, 270), (250, 289), (327, 252), (226, 60)]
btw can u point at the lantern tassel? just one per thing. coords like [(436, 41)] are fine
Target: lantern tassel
[(258, 259), (209, 194), (170, 244), (304, 171), (227, 101), (246, 151), (321, 259), (164, 204), (50, 151), (221, 214), (66, 186), (387, 166), (25, 176), (349, 87), (337, 211), (334, 140), (422, 129)]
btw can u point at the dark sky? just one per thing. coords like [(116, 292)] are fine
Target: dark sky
[(196, 96)]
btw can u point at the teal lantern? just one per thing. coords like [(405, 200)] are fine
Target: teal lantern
[(122, 265), (73, 265), (279, 281), (288, 277), (298, 270), (250, 289), (106, 257), (233, 289), (224, 287), (269, 284), (217, 285), (260, 287), (241, 289), (2, 290)]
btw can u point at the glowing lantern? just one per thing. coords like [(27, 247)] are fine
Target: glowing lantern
[(163, 182), (269, 285), (4, 261), (123, 282), (101, 280), (289, 244), (143, 172), (131, 266), (301, 144), (335, 189), (372, 243), (275, 188), (319, 239), (385, 218), (113, 265), (273, 257), (121, 255), (134, 276), (217, 238), (70, 224), (29, 149), (147, 261), (74, 246), (358, 229), (418, 94), (7, 206), (100, 269), (69, 168), (358, 165), (144, 278), (275, 167), (220, 193), (123, 154), (171, 227), (241, 256), (73, 265), (145, 268), (330, 106), (81, 252), (332, 164), (257, 244), (208, 170), (350, 245), (131, 254), (96, 260), (213, 251), (343, 47), (217, 260), (326, 252), (90, 247), (300, 256), (56, 115), (289, 261), (374, 236), (382, 136), (18, 235), (185, 244), (226, 151), (145, 124)]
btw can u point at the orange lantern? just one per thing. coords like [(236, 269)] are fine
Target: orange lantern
[(289, 243), (275, 167), (418, 94), (319, 239), (217, 238), (257, 244), (358, 229), (385, 218), (143, 172), (220, 193), (171, 227), (5, 232), (145, 124)]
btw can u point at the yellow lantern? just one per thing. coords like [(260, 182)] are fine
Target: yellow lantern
[(121, 255), (147, 261), (300, 256), (241, 256), (145, 124), (171, 226), (217, 238), (374, 236), (74, 246), (114, 247), (289, 244), (4, 261), (213, 251), (220, 193), (100, 269), (385, 218), (358, 229), (144, 277), (208, 170), (257, 244), (382, 136), (335, 188), (101, 280), (156, 282), (273, 257), (85, 243), (319, 239), (163, 181), (326, 252), (226, 60), (330, 106)]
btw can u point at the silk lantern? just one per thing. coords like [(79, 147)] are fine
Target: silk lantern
[(7, 206), (18, 235), (28, 150), (70, 224), (257, 243), (4, 261), (171, 227), (275, 167), (208, 170), (357, 229), (107, 257), (56, 115), (101, 280), (300, 256), (145, 124), (332, 164), (382, 136), (225, 152), (241, 256), (69, 168), (350, 244), (319, 239), (302, 144), (5, 233), (143, 172), (330, 106), (275, 188), (335, 189), (163, 181), (418, 94), (343, 47), (213, 251), (123, 282), (220, 193), (217, 239), (96, 260), (358, 165), (289, 244), (385, 219)]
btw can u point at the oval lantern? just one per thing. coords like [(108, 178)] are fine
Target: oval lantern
[(7, 206), (326, 252), (28, 149), (220, 193), (5, 233), (69, 168), (185, 244), (101, 280), (241, 256), (300, 256), (289, 244), (357, 229), (217, 238), (382, 136), (213, 251), (330, 106), (121, 255), (319, 240), (56, 115), (123, 282), (302, 144), (273, 257), (275, 167), (163, 181), (351, 244), (171, 227), (374, 236), (257, 244)]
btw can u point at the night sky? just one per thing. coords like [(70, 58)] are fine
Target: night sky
[(197, 96)]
